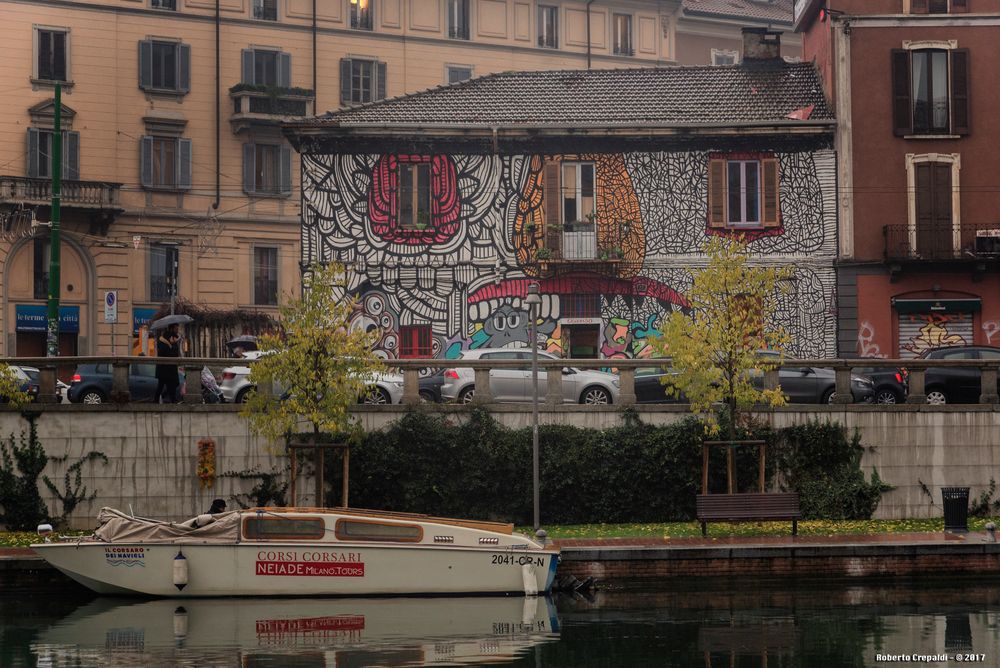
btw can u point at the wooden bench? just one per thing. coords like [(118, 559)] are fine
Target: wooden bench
[(755, 506)]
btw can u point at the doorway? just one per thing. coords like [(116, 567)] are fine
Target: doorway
[(582, 340)]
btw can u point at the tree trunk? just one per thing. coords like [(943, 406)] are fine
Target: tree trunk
[(318, 465)]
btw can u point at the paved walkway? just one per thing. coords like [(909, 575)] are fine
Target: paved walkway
[(774, 541)]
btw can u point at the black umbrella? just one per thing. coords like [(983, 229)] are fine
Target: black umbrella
[(166, 321), (246, 342)]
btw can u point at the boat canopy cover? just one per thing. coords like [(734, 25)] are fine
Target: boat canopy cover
[(114, 526)]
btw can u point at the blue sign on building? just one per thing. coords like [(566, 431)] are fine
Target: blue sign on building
[(141, 317), (35, 318)]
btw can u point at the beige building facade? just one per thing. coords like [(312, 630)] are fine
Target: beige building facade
[(177, 181)]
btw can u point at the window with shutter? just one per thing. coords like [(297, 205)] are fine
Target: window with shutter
[(39, 154), (930, 91), (933, 199), (165, 163), (551, 205), (414, 194), (51, 62), (265, 276), (267, 169), (164, 66), (358, 83), (416, 341), (743, 191)]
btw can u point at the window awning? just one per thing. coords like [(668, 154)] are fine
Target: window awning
[(937, 305)]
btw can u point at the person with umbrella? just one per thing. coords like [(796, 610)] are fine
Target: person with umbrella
[(168, 344)]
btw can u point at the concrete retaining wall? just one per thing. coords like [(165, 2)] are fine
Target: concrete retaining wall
[(153, 450)]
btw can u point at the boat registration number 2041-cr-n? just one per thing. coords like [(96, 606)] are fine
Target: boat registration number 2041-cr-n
[(516, 560)]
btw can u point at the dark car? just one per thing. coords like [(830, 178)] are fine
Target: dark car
[(802, 385), (91, 383), (956, 385), (430, 387), (890, 384)]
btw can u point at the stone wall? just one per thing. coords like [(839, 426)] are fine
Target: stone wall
[(153, 450)]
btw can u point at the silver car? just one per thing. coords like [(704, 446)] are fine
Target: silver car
[(236, 385), (578, 385)]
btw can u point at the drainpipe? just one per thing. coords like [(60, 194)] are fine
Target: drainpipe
[(589, 3), (218, 111), (315, 94)]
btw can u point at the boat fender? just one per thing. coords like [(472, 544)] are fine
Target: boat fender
[(180, 571), (530, 582)]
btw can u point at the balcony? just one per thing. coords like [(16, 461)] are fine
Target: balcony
[(581, 246), (266, 105), (76, 194), (965, 246)]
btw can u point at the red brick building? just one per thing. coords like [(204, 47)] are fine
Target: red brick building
[(912, 82)]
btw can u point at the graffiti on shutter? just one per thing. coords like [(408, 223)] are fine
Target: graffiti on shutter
[(925, 331)]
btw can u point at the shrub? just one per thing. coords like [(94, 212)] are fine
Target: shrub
[(22, 460)]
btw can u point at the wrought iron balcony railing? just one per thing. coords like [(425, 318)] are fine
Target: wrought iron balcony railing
[(83, 194), (941, 242)]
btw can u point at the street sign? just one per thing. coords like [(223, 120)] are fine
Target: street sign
[(111, 307)]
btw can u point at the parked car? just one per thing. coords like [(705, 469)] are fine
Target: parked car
[(24, 382), (801, 385), (430, 387), (236, 386), (35, 382), (579, 385), (956, 385), (890, 384), (91, 384)]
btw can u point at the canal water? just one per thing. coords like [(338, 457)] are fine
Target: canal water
[(742, 623)]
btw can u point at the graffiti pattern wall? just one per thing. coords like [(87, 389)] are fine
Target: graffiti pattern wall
[(465, 272)]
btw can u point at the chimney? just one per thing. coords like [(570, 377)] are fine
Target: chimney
[(761, 44)]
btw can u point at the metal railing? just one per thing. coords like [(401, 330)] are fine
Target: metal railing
[(100, 194), (969, 241), (626, 368)]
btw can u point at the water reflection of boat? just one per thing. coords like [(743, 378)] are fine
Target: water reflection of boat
[(312, 632), (303, 552)]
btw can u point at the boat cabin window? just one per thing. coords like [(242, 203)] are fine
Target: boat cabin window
[(284, 528), (384, 531)]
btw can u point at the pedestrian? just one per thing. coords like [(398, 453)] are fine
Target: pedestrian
[(167, 375)]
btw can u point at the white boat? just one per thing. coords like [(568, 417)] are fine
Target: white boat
[(276, 631), (303, 552)]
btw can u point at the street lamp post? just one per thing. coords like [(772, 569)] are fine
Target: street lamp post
[(533, 302)]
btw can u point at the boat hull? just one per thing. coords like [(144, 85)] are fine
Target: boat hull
[(277, 569)]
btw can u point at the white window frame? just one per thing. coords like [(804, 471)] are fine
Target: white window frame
[(946, 45), (34, 55), (581, 217), (743, 222), (955, 159), (725, 53), (454, 66)]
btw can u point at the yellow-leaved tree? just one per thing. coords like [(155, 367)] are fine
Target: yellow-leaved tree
[(318, 366), (715, 349), (12, 388)]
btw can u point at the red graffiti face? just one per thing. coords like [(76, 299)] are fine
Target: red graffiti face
[(384, 200)]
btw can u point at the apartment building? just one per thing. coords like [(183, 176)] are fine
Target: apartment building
[(919, 234), (178, 186)]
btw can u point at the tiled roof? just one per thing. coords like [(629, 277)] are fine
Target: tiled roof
[(772, 11), (663, 97)]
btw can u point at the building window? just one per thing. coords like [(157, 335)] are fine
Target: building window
[(415, 342), (580, 305), (162, 272), (930, 91), (51, 54), (163, 4), (265, 276), (458, 19), (42, 257), (548, 26), (361, 14), (164, 66), (267, 169), (743, 192), (267, 67), (165, 163), (934, 212), (939, 6), (361, 80), (414, 203), (40, 154), (457, 73), (623, 35), (724, 57), (578, 201), (265, 10)]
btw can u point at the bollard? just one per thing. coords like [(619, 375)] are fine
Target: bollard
[(411, 386), (553, 386)]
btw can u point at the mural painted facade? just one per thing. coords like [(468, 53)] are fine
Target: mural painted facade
[(464, 272)]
